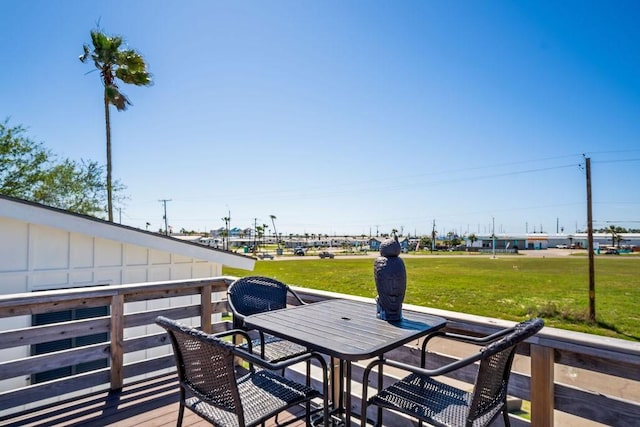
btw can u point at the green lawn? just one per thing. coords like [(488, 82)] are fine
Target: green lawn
[(512, 288)]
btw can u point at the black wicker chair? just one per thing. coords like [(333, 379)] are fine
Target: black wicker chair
[(255, 294), (439, 404), (226, 395)]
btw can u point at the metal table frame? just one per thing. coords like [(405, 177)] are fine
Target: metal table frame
[(346, 330)]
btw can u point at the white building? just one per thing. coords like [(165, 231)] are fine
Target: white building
[(43, 248)]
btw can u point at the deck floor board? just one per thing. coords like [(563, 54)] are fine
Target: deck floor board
[(147, 403)]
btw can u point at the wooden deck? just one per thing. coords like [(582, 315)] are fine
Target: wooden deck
[(150, 403)]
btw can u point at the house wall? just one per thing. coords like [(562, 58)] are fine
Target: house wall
[(35, 257)]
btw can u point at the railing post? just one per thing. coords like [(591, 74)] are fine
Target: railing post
[(206, 311), (117, 341), (542, 384)]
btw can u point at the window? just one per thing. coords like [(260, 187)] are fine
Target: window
[(63, 344)]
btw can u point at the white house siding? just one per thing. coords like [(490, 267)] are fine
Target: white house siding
[(34, 257), (37, 257)]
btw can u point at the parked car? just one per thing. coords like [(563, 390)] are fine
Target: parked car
[(298, 251), (326, 254), (265, 255)]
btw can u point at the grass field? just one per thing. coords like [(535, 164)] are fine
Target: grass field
[(512, 288)]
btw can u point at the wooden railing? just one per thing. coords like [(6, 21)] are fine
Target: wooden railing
[(130, 306), (569, 378)]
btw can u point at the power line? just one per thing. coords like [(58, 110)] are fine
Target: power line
[(617, 161)]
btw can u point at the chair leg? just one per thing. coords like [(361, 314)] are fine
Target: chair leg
[(180, 415), (181, 410), (505, 415), (380, 387), (307, 407)]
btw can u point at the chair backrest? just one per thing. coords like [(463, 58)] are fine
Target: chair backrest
[(495, 368), (205, 366), (255, 294)]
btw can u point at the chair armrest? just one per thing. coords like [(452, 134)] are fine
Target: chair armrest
[(422, 371), (469, 338), (296, 296), (257, 360), (488, 339), (235, 332)]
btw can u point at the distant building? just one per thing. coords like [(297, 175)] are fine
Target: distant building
[(536, 241), (375, 242), (580, 240)]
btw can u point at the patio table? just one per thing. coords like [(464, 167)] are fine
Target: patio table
[(347, 331)]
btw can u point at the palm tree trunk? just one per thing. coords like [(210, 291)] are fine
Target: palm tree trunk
[(107, 120)]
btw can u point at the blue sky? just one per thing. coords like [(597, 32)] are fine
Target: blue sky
[(345, 116)]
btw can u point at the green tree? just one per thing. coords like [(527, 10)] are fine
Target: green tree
[(227, 220), (616, 234), (260, 231), (612, 230), (472, 238), (74, 186), (425, 242), (30, 171), (114, 63), (22, 162)]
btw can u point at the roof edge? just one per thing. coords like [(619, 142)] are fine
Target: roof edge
[(24, 210)]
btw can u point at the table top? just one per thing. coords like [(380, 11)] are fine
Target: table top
[(345, 329)]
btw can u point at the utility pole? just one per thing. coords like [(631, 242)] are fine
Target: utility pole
[(255, 233), (275, 232), (166, 226), (433, 236), (493, 236), (592, 282)]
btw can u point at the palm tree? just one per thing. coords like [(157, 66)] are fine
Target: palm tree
[(614, 233), (115, 63), (258, 237), (273, 222), (264, 235), (226, 220)]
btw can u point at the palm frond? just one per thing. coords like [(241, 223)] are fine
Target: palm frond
[(132, 69), (85, 53), (116, 98)]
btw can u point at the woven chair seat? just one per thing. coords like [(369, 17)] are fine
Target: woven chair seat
[(263, 394), (439, 404), (428, 399), (276, 349)]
